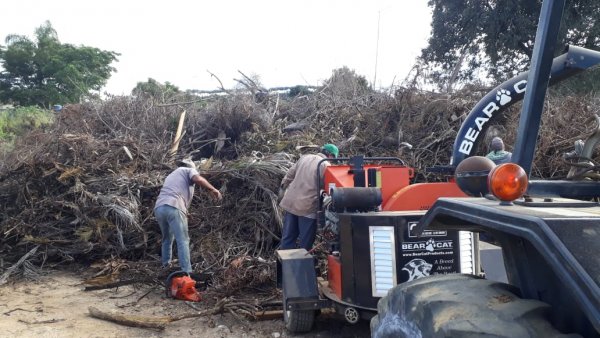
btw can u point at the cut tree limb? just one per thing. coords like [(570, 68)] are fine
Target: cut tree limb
[(111, 285), (11, 270), (178, 135), (158, 323), (7, 313), (49, 321), (269, 315), (220, 83)]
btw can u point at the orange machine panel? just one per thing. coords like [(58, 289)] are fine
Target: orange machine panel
[(393, 178), (421, 196), (334, 274)]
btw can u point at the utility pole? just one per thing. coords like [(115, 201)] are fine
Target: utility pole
[(377, 48)]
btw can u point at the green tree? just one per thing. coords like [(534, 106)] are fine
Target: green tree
[(156, 90), (45, 71), (474, 38), (346, 83)]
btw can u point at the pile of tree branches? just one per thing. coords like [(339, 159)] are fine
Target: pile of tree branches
[(83, 189)]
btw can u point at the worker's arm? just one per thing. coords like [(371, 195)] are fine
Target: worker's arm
[(322, 168), (289, 177), (203, 182)]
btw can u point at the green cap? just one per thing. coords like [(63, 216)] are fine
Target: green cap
[(331, 148)]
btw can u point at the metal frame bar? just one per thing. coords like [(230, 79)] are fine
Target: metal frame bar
[(537, 82)]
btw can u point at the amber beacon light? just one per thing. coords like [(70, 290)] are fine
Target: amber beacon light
[(507, 182)]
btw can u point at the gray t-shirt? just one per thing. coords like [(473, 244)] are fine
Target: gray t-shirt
[(178, 189)]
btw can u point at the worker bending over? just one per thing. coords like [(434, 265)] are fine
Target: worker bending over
[(300, 201), (171, 210)]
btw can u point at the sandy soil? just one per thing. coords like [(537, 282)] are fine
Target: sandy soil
[(57, 306)]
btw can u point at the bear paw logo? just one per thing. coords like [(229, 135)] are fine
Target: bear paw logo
[(503, 96), (429, 245)]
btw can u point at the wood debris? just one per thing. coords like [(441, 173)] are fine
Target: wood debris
[(83, 189)]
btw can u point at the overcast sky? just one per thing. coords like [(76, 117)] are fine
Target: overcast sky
[(284, 42)]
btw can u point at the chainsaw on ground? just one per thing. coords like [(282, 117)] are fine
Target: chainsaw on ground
[(185, 286)]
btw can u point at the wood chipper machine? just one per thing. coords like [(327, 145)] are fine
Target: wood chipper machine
[(367, 212)]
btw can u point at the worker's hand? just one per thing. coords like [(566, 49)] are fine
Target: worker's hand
[(216, 194)]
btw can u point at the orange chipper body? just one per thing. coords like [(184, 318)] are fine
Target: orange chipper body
[(397, 195), (397, 192), (184, 288)]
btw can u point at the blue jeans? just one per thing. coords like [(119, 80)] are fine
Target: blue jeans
[(173, 225), (298, 226)]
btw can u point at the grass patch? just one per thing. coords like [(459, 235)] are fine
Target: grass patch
[(15, 122)]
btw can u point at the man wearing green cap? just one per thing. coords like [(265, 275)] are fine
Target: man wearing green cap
[(300, 201)]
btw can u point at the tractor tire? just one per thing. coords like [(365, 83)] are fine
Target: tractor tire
[(298, 321), (460, 306)]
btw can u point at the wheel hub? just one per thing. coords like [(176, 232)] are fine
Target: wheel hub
[(351, 314)]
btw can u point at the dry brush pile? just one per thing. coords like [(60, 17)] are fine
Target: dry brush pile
[(83, 189)]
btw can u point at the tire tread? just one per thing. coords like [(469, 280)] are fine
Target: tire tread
[(460, 306)]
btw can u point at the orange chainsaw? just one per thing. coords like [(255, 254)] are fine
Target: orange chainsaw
[(180, 285)]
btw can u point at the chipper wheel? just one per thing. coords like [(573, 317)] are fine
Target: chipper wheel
[(458, 306), (298, 321)]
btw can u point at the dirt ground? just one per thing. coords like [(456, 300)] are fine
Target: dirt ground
[(56, 306)]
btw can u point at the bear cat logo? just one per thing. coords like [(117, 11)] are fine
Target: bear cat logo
[(503, 97), (430, 245), (417, 268)]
